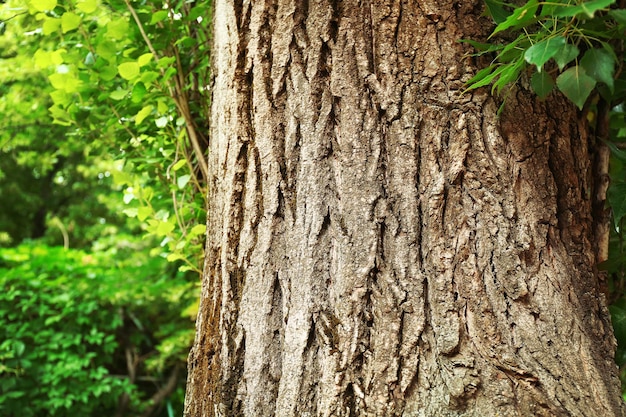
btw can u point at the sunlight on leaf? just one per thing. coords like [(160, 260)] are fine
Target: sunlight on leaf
[(70, 21), (44, 5), (128, 70), (87, 6), (182, 181), (143, 113)]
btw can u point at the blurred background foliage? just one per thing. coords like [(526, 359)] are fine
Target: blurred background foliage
[(104, 108)]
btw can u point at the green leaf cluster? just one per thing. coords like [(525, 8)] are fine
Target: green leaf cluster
[(134, 77), (563, 44), (68, 320), (97, 154)]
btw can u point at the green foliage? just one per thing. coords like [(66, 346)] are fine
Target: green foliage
[(554, 33), (134, 76), (68, 320), (50, 176), (57, 338)]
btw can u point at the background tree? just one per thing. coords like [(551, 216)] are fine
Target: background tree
[(383, 243)]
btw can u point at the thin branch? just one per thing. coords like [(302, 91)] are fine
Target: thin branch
[(143, 32), (13, 17), (162, 393), (180, 104)]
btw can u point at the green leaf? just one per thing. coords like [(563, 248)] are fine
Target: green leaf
[(66, 82), (166, 61), (117, 29), (522, 16), (162, 215), (542, 83), (186, 42), (515, 49), (509, 74), (61, 117), (147, 77), (169, 73), (20, 347), (178, 165), (130, 212), (42, 58), (139, 92), (172, 257), (197, 230), (108, 73), (576, 85), (616, 152), (616, 197), (565, 55), (87, 6), (496, 10), (482, 78), (118, 94), (51, 25), (90, 59), (128, 70), (584, 9), (144, 59), (182, 181), (107, 50), (69, 21), (161, 122), (619, 15), (44, 5), (158, 16), (541, 52), (162, 107), (57, 56), (143, 113), (164, 228), (600, 65), (144, 212), (61, 98)]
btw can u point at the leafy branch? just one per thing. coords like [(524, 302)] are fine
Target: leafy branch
[(146, 64), (562, 44)]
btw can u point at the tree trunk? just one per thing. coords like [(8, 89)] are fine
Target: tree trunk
[(381, 244)]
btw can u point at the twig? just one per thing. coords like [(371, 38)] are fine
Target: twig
[(143, 32), (162, 393)]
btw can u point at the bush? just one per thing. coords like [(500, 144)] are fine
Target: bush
[(83, 335)]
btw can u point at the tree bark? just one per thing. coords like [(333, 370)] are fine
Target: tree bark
[(379, 242)]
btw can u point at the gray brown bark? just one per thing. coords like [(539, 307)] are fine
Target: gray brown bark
[(381, 244)]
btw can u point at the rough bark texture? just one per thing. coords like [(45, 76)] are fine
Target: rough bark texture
[(381, 244)]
